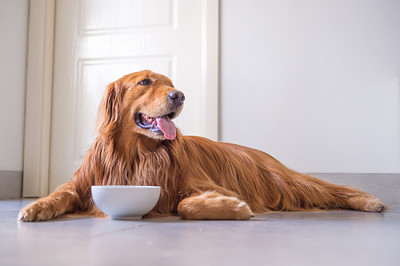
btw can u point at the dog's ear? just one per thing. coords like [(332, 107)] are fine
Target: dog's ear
[(110, 108)]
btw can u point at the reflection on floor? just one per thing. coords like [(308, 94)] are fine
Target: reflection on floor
[(288, 238)]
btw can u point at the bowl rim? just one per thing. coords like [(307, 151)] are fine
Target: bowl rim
[(122, 186)]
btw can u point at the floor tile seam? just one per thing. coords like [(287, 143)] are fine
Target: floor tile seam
[(94, 236)]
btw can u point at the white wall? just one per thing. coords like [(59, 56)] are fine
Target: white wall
[(13, 32), (314, 83)]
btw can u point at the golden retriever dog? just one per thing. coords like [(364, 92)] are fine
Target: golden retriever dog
[(138, 144)]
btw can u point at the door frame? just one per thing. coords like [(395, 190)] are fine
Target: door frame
[(39, 85), (39, 79)]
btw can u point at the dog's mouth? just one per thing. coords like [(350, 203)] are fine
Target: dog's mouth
[(159, 125)]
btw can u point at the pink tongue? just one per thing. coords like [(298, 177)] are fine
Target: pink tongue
[(167, 127)]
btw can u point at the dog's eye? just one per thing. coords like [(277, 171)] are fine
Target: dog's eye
[(144, 82)]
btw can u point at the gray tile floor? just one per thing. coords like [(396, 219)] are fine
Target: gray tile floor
[(288, 238)]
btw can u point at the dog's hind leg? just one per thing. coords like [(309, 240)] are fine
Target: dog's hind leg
[(355, 199), (57, 203), (318, 193), (211, 205)]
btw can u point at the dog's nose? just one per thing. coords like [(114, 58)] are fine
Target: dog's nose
[(176, 97)]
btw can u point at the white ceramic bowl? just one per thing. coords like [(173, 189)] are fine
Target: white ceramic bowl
[(125, 202)]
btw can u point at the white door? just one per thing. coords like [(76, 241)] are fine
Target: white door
[(99, 41)]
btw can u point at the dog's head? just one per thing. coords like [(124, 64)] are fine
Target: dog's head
[(142, 103)]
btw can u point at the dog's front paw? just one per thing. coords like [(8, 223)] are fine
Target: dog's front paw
[(36, 211)]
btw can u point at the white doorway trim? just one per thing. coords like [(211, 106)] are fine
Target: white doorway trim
[(39, 89), (209, 103), (38, 98)]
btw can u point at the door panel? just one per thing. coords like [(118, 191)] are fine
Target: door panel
[(97, 42)]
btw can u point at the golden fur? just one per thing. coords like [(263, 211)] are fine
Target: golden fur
[(199, 178)]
